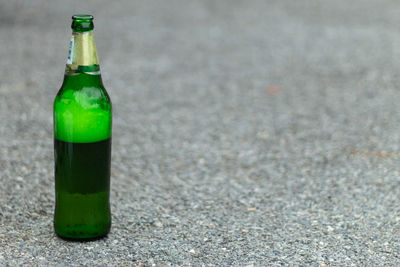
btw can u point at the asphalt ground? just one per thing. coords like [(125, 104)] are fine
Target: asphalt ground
[(245, 132)]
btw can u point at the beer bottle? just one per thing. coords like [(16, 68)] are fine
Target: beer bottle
[(82, 141)]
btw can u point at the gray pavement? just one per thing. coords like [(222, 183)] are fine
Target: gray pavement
[(245, 132)]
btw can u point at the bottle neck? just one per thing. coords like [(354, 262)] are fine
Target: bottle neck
[(77, 81), (82, 54)]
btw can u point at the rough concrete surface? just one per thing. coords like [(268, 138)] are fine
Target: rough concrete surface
[(245, 132)]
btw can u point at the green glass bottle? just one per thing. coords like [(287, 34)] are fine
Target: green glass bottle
[(82, 141)]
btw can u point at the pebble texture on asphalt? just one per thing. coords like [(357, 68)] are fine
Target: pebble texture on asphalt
[(245, 132)]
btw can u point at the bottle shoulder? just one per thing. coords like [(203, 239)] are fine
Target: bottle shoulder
[(84, 98), (83, 86)]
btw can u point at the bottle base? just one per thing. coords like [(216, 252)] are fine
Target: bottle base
[(82, 232), (82, 239)]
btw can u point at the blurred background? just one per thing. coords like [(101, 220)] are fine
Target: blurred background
[(245, 132)]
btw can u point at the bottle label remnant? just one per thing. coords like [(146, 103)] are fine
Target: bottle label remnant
[(70, 51)]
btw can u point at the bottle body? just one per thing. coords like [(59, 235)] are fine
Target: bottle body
[(82, 186), (82, 148)]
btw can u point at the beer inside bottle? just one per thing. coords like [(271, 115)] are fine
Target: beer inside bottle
[(82, 141)]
